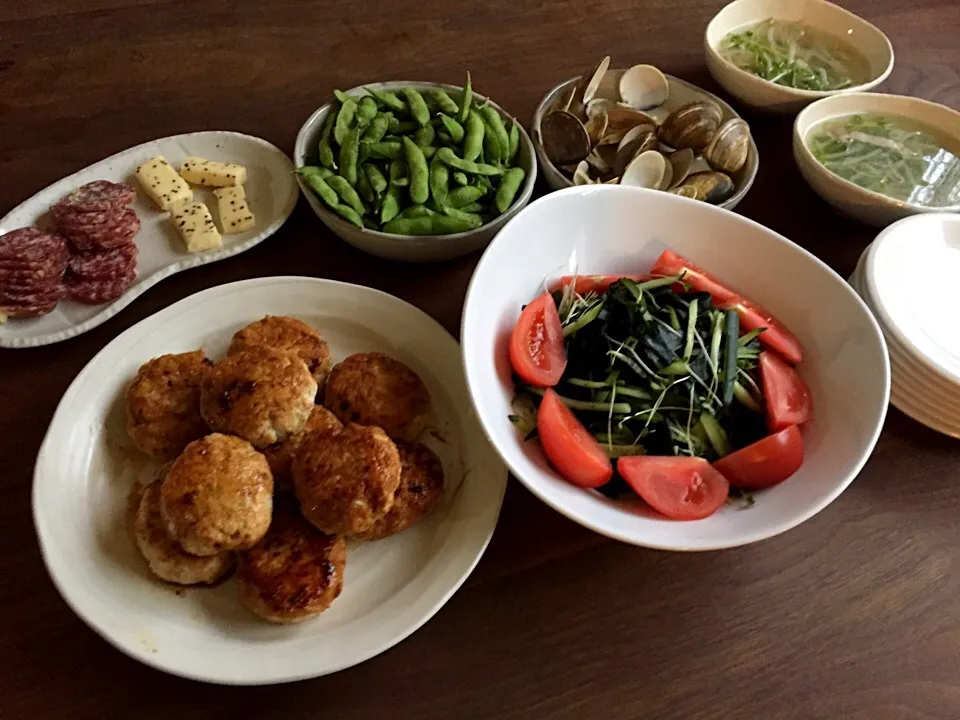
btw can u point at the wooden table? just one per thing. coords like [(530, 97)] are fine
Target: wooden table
[(854, 614)]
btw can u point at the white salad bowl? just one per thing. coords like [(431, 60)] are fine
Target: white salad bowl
[(608, 229), (865, 205), (818, 14)]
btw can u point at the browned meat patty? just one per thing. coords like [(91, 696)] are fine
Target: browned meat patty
[(163, 404), (280, 455), (375, 389), (260, 394), (287, 333), (346, 481), (218, 495), (294, 573)]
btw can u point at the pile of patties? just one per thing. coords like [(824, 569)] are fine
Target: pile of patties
[(261, 477)]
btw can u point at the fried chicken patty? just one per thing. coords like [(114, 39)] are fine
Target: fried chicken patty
[(280, 455), (287, 333), (218, 495), (166, 559), (375, 389), (294, 573), (163, 404), (346, 480), (419, 491), (262, 395)]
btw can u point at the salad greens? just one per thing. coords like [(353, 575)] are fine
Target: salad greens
[(653, 371), (887, 155), (795, 55)]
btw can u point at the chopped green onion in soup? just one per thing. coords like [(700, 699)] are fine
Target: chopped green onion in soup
[(890, 155), (795, 55)]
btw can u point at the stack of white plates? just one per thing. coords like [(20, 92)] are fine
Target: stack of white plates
[(910, 278)]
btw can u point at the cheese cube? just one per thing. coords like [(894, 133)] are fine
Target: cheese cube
[(161, 182), (196, 226), (235, 215), (212, 173)]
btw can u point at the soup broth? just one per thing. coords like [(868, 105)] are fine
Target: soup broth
[(890, 155), (796, 55)]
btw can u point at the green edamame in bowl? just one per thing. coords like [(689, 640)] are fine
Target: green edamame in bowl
[(414, 171)]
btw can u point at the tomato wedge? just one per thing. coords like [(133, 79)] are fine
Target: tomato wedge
[(594, 283), (766, 463), (787, 396), (682, 488), (572, 451), (776, 336), (669, 263), (536, 344)]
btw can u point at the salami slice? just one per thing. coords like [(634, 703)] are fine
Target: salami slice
[(96, 292), (88, 221), (51, 267), (31, 246), (120, 234), (28, 311), (106, 265), (97, 196), (36, 297)]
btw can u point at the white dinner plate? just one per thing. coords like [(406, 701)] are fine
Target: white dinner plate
[(908, 405), (271, 193), (87, 466), (921, 314)]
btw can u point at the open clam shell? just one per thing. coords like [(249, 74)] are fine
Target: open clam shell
[(711, 187), (592, 82), (603, 158), (599, 105), (692, 126), (645, 140), (564, 138), (682, 163), (636, 132), (581, 176), (646, 170), (621, 120), (597, 127), (564, 100), (644, 87), (729, 148)]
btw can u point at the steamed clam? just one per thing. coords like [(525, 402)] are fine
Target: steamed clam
[(621, 126)]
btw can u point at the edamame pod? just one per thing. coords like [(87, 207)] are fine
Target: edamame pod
[(467, 99), (325, 151), (376, 129), (398, 170), (444, 102), (376, 179), (345, 118), (405, 126), (364, 188), (394, 123), (453, 128), (429, 151), (349, 214), (449, 157), (425, 136), (473, 138), (460, 178), (431, 225), (419, 173), (444, 137), (439, 181), (314, 180), (466, 217), (495, 126), (415, 211), (492, 152), (346, 193), (418, 107), (349, 153), (464, 196), (366, 110), (509, 185), (391, 204), (341, 96), (385, 150), (388, 99), (473, 207), (514, 141)]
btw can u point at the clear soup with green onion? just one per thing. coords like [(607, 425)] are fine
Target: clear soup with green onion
[(890, 155), (796, 55)]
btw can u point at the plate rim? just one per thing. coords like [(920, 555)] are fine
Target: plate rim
[(188, 262), (150, 659)]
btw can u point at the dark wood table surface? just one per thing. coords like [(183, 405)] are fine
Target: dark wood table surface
[(855, 614)]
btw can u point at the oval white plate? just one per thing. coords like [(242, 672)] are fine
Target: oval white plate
[(271, 193), (86, 467)]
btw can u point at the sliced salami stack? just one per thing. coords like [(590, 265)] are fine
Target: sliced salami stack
[(101, 228), (32, 267)]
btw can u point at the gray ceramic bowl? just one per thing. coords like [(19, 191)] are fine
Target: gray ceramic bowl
[(681, 93), (411, 248)]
